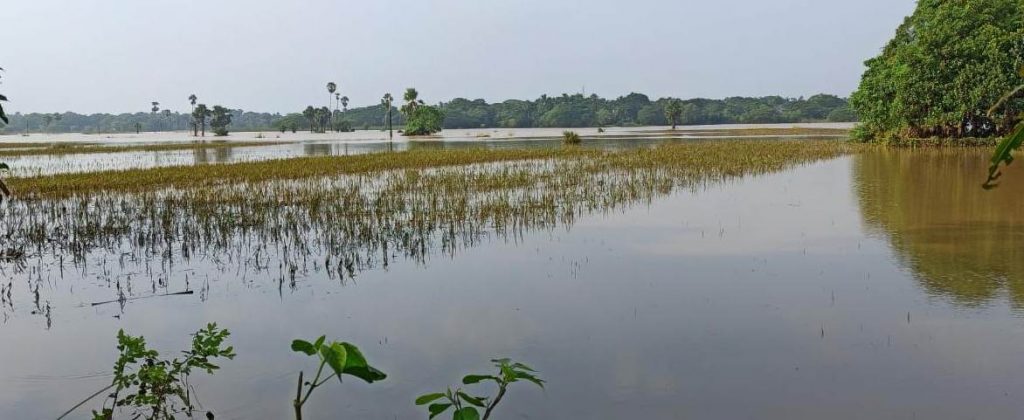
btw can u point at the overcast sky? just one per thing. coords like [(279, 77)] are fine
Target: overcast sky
[(263, 55)]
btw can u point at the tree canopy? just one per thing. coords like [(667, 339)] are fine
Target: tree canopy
[(947, 65), (547, 111), (425, 120)]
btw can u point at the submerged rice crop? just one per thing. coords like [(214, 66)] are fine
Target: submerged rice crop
[(283, 220), (58, 149)]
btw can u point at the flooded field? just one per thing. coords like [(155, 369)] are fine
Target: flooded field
[(712, 279), (244, 147)]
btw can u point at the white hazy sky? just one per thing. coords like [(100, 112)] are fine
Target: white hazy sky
[(263, 55)]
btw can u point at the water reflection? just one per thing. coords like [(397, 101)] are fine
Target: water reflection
[(961, 241), (201, 156)]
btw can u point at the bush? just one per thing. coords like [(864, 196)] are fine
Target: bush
[(571, 138), (425, 120)]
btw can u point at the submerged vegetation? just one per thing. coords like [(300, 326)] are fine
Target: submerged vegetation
[(701, 157), (37, 149), (283, 220), (571, 138)]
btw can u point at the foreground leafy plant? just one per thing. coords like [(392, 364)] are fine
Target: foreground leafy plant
[(3, 116), (466, 406), (1012, 142), (155, 388), (343, 359)]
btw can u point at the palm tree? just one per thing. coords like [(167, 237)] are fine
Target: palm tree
[(192, 99), (412, 101), (344, 103), (331, 88), (310, 114), (386, 103), (156, 107), (199, 115)]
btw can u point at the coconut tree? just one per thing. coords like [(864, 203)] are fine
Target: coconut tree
[(192, 99), (156, 107), (344, 103), (386, 103)]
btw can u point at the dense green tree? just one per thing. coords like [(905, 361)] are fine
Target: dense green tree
[(310, 114), (425, 120), (947, 65), (323, 118), (555, 111), (290, 122), (463, 113), (674, 111), (221, 118), (651, 114)]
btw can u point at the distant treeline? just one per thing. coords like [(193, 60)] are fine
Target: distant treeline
[(555, 111)]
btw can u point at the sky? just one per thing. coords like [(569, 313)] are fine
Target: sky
[(277, 56)]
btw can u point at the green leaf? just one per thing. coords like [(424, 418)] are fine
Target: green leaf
[(467, 413), (303, 346), (369, 374), (427, 398), (1004, 153), (477, 401), (528, 377), (355, 357), (335, 356), (523, 367), (436, 409), (319, 342), (472, 379)]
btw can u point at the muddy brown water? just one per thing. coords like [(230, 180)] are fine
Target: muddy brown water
[(881, 285)]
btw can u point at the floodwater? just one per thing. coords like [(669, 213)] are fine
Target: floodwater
[(324, 144), (886, 284)]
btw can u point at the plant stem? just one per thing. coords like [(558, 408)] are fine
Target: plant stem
[(497, 399), (298, 399), (313, 384), (84, 401)]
